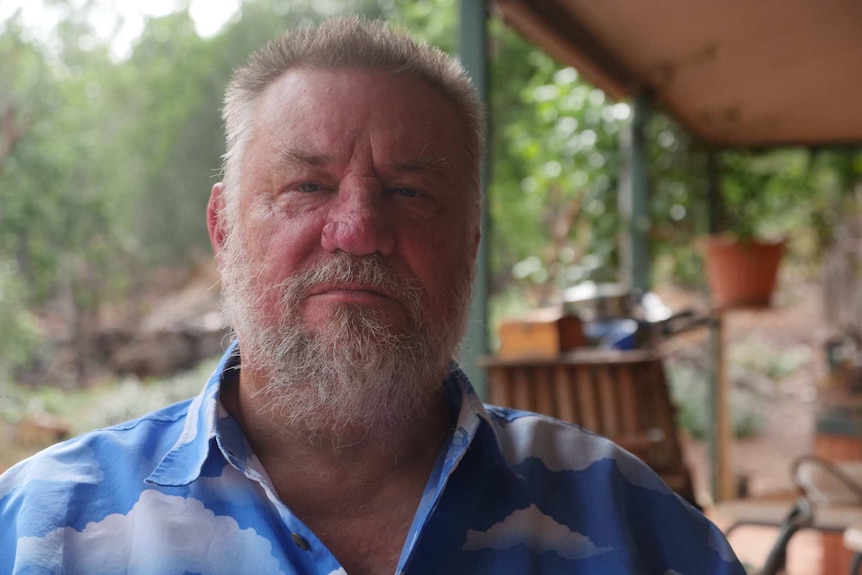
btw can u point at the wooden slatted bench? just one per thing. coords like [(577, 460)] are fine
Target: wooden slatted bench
[(622, 395)]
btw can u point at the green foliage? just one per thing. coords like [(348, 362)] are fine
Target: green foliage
[(677, 172), (793, 193), (552, 195), (435, 21), (834, 176), (690, 391), (168, 80), (55, 219), (20, 334), (764, 192)]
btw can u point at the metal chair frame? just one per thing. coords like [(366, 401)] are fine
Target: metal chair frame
[(811, 510)]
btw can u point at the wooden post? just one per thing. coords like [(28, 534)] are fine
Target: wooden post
[(722, 429), (721, 438)]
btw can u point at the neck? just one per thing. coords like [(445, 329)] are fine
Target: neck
[(352, 460), (347, 487)]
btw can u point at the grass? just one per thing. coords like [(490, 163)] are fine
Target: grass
[(757, 368)]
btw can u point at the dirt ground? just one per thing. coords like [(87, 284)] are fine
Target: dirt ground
[(787, 410), (788, 416)]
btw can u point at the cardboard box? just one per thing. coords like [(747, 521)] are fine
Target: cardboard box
[(540, 334)]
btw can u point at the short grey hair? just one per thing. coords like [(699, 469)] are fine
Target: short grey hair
[(351, 43)]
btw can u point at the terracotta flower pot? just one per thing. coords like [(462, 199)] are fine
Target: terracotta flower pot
[(742, 273)]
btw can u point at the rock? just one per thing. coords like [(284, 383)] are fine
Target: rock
[(41, 429)]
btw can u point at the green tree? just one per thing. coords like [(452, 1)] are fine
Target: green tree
[(554, 182)]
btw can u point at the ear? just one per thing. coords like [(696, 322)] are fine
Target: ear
[(477, 238), (215, 217)]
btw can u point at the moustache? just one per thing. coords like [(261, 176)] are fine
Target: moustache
[(371, 271)]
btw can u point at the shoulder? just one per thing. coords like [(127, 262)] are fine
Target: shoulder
[(559, 446), (133, 434), (594, 488), (56, 479)]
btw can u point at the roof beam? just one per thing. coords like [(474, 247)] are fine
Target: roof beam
[(551, 27)]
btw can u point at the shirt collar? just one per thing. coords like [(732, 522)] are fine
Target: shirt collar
[(474, 426), (184, 461), (208, 427)]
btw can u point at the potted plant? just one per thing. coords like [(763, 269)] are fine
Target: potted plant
[(742, 273), (760, 193)]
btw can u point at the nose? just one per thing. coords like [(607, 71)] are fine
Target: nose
[(358, 223)]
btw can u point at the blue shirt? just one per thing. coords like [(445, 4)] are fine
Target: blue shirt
[(180, 491)]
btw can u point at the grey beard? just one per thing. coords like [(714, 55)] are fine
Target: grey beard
[(357, 371), (356, 374)]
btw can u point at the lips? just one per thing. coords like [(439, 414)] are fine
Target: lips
[(350, 290), (352, 294)]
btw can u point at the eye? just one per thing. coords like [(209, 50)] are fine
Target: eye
[(408, 192), (308, 187)]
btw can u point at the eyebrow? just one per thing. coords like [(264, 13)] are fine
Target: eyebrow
[(423, 165), (293, 158), (296, 159)]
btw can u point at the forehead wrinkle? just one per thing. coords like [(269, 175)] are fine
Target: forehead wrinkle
[(297, 159)]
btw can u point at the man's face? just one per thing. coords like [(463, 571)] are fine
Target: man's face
[(363, 171), (360, 162)]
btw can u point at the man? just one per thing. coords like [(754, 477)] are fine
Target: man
[(338, 436)]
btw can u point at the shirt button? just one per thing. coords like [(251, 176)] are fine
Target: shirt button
[(300, 541)]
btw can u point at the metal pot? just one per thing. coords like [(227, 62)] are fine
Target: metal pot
[(598, 302)]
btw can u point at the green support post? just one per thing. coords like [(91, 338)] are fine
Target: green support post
[(474, 56), (634, 199)]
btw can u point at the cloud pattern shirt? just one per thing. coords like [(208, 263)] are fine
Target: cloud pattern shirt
[(179, 491)]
